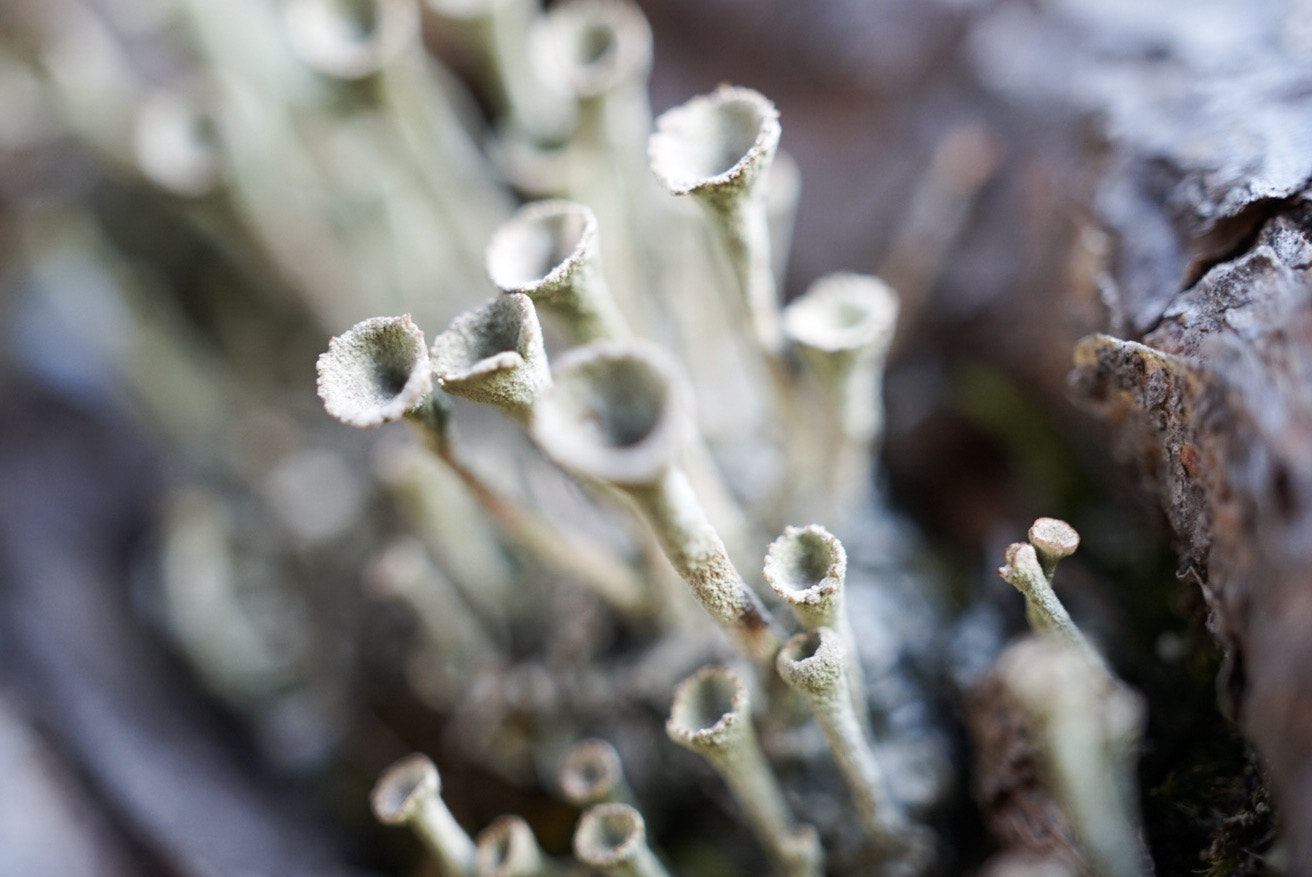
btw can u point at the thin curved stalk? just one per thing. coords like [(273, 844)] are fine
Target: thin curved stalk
[(1030, 567)]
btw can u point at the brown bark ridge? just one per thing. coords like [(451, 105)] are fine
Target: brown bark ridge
[(1211, 389)]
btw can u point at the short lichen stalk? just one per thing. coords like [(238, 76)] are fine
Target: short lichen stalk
[(614, 415), (712, 716), (508, 848), (1087, 723), (613, 839), (591, 773), (814, 664), (409, 793), (807, 568), (1030, 568)]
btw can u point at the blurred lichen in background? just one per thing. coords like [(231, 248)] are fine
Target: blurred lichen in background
[(200, 194)]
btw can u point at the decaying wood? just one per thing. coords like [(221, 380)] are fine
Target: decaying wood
[(1216, 407)]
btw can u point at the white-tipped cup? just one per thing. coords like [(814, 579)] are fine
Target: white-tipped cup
[(591, 773), (807, 568), (591, 48)]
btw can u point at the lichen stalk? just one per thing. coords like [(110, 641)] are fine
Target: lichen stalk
[(614, 415), (508, 848), (1029, 568), (1087, 725), (591, 773), (807, 569), (814, 664), (718, 149), (409, 793), (589, 563), (495, 355), (711, 715), (550, 251), (613, 839)]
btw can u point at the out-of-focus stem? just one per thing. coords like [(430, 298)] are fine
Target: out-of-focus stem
[(498, 32), (350, 39), (409, 793), (613, 839), (591, 773), (508, 848), (842, 326), (600, 52), (1088, 725)]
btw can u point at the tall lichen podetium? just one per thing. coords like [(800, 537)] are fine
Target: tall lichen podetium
[(815, 665), (615, 415), (711, 715)]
